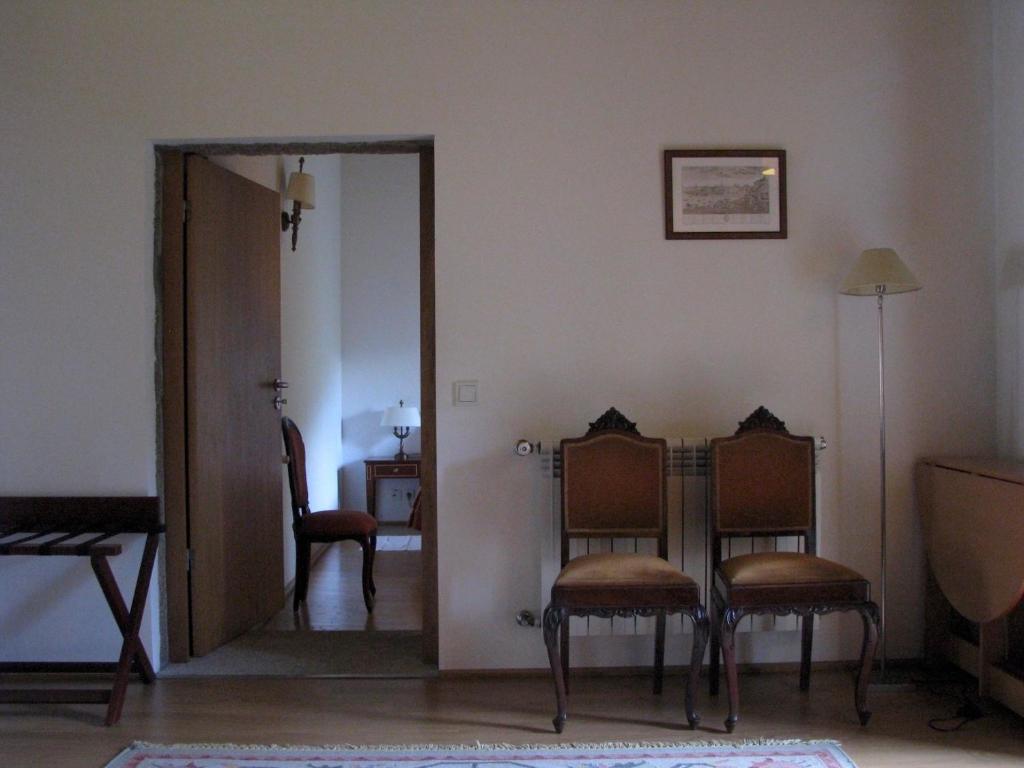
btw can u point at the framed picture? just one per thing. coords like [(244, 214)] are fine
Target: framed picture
[(713, 194)]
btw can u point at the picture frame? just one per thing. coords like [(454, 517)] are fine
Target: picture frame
[(718, 194)]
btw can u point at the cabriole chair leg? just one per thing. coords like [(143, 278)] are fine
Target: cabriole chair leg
[(730, 619), (551, 620), (367, 548), (700, 641), (869, 616)]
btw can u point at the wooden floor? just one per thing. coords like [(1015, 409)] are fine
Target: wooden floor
[(508, 709), (335, 598)]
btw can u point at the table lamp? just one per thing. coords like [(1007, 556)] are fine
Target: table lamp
[(402, 419)]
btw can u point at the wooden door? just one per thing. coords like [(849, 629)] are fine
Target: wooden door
[(233, 355)]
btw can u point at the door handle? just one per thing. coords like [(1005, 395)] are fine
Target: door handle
[(279, 403), (280, 384)]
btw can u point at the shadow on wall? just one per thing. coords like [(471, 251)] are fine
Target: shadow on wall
[(1011, 276), (1009, 285), (364, 435)]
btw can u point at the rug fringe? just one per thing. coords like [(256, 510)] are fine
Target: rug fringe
[(468, 747)]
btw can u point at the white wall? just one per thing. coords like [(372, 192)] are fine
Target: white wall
[(1008, 26), (311, 340), (555, 287), (380, 314)]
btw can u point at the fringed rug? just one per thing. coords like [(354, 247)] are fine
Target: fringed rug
[(750, 754)]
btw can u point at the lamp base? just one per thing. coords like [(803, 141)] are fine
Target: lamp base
[(401, 456)]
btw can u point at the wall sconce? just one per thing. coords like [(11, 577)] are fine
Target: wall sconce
[(302, 190), (402, 419)]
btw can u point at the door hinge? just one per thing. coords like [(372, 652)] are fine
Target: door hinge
[(187, 208), (189, 558)]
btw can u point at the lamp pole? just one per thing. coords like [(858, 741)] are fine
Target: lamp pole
[(879, 271), (880, 292)]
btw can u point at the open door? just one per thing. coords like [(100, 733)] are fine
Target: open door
[(233, 435), (206, 491)]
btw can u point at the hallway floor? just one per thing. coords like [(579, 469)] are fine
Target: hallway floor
[(332, 635), (335, 598)]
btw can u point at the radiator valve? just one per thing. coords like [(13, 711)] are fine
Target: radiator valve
[(524, 447), (526, 619)]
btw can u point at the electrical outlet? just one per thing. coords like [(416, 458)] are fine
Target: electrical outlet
[(396, 493)]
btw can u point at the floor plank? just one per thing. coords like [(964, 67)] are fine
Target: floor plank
[(507, 709), (335, 598)]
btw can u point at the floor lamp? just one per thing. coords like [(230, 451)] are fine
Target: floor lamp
[(879, 272)]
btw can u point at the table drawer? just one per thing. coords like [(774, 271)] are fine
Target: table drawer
[(396, 470)]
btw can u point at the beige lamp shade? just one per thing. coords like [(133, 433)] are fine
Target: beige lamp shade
[(302, 188), (879, 270), (401, 416)]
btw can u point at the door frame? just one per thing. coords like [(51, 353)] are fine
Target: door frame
[(169, 270)]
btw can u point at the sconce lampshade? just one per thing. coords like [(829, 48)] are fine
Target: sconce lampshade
[(879, 270), (401, 416), (302, 189)]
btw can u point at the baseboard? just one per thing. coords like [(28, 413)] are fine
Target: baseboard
[(57, 667), (778, 667)]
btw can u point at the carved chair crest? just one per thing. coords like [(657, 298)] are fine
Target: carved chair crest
[(762, 420), (612, 419)]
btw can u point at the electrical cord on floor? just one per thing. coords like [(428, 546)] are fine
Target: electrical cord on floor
[(968, 711)]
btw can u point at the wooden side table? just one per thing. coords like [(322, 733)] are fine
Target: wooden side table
[(387, 468)]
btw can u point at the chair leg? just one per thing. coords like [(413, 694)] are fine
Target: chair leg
[(716, 650), (373, 560), (659, 653), (564, 645), (730, 618), (367, 547), (806, 646), (552, 618), (302, 548), (700, 641), (869, 615)]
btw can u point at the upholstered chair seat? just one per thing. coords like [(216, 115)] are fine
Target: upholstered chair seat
[(612, 579), (789, 578), (332, 524)]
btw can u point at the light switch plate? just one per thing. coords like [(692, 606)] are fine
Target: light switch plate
[(465, 393)]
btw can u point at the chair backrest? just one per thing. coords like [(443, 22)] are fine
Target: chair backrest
[(613, 484), (296, 452), (762, 482)]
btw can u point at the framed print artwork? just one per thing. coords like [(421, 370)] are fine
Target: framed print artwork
[(713, 194)]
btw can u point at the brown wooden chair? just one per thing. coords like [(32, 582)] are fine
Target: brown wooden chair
[(327, 526), (762, 484), (613, 485)]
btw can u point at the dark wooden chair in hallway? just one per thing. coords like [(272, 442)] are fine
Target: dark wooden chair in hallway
[(322, 527), (613, 486), (762, 485)]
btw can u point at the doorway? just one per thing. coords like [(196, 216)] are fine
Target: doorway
[(174, 424)]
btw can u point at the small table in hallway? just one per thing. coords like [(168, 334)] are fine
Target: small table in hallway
[(384, 469)]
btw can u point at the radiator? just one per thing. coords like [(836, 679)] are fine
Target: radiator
[(689, 531)]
